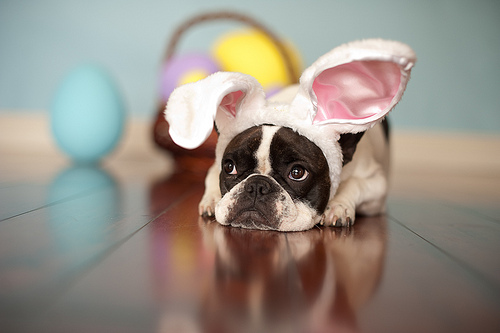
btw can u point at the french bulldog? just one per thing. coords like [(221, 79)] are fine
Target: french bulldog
[(315, 153)]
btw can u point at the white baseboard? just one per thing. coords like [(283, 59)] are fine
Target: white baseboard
[(454, 167)]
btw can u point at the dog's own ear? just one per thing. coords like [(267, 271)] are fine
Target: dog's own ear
[(354, 85), (193, 107)]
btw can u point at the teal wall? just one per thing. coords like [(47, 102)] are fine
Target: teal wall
[(455, 85)]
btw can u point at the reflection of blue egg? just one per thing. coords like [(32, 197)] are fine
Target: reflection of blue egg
[(87, 203), (87, 114)]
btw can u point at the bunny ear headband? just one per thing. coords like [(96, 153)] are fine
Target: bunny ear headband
[(347, 90)]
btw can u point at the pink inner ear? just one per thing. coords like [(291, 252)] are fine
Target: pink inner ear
[(356, 90), (231, 100)]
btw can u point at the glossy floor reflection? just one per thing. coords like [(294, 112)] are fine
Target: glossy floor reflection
[(85, 251), (312, 281)]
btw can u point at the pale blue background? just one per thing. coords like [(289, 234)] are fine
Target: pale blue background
[(455, 85)]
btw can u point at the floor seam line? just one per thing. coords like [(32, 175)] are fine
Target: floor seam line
[(472, 271)]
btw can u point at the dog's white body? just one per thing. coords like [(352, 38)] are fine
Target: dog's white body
[(346, 92), (364, 181)]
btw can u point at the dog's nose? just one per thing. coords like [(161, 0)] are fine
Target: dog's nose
[(259, 186)]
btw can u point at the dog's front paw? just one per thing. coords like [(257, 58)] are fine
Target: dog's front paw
[(339, 214), (207, 204)]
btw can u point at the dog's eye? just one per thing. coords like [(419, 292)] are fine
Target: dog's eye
[(230, 167), (298, 173)]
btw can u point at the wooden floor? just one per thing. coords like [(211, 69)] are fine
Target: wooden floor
[(120, 248)]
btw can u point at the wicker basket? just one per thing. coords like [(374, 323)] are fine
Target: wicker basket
[(203, 156)]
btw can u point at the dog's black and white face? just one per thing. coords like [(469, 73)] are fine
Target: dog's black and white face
[(272, 178)]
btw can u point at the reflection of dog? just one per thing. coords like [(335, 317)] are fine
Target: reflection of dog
[(311, 281), (285, 163)]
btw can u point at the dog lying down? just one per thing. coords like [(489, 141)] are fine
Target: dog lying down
[(288, 163)]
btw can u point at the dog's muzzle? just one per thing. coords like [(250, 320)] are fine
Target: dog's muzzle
[(256, 203), (259, 202)]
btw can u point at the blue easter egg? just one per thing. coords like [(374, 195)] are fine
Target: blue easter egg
[(87, 114)]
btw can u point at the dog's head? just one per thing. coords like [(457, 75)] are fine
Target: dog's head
[(280, 159), (272, 178)]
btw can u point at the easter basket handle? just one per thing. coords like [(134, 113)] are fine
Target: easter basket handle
[(206, 152), (231, 16)]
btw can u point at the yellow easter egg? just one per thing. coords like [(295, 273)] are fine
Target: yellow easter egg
[(252, 52), (193, 76)]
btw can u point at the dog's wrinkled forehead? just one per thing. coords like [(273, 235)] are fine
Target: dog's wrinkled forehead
[(266, 149), (289, 146), (245, 142), (265, 143)]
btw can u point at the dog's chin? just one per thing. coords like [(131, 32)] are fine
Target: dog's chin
[(253, 219), (302, 218)]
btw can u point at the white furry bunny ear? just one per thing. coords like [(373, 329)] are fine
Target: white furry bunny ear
[(192, 108), (354, 85)]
